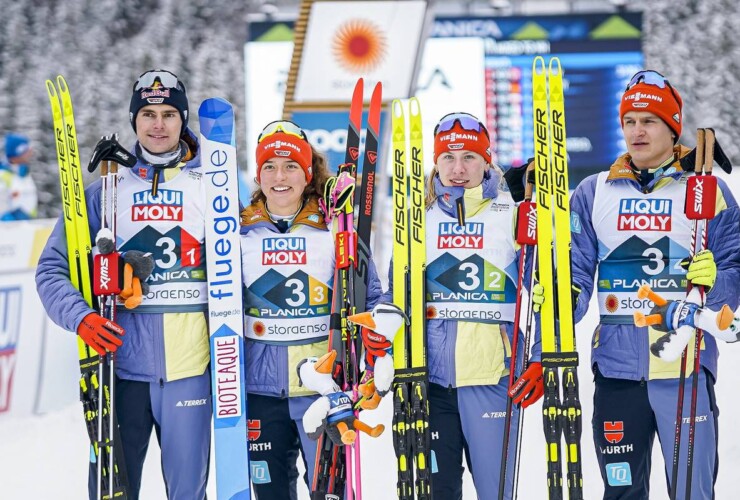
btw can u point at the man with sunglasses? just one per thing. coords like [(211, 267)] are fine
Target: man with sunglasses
[(628, 226), (162, 380)]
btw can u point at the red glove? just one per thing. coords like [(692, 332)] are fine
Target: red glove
[(529, 387), (100, 333)]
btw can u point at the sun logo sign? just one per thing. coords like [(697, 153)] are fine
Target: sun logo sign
[(359, 46)]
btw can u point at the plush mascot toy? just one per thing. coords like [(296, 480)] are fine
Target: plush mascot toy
[(128, 282), (379, 326), (333, 411), (679, 319)]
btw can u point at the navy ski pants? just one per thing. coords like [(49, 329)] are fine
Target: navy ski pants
[(627, 416), (276, 438)]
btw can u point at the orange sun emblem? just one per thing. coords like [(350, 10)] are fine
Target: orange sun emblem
[(612, 303), (359, 45), (259, 328)]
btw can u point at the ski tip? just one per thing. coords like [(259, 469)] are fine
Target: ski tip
[(51, 89), (414, 107), (554, 66), (62, 84), (538, 65), (213, 107), (397, 108)]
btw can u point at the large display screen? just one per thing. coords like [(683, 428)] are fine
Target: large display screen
[(598, 54), (483, 65)]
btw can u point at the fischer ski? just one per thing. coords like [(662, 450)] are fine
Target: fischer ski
[(97, 376), (411, 438), (223, 261), (554, 268)]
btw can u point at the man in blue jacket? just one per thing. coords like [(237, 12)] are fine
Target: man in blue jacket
[(629, 227), (162, 360)]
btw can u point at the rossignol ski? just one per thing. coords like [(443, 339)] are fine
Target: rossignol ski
[(554, 268), (701, 189), (411, 438), (223, 265), (337, 473), (96, 389)]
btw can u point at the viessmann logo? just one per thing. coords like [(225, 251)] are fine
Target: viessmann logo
[(166, 206), (636, 214)]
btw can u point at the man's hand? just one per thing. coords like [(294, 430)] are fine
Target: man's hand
[(529, 387), (701, 270), (100, 333)]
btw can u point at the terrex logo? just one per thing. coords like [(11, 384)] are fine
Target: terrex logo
[(283, 251), (636, 214), (452, 235), (166, 206)]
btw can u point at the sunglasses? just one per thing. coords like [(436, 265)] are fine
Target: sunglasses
[(284, 126), (165, 78), (651, 77), (466, 121)]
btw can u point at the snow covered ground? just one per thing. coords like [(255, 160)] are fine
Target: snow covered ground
[(45, 456)]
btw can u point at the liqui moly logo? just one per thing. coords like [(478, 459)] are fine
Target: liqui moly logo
[(452, 235), (283, 251), (166, 206), (10, 319), (636, 214)]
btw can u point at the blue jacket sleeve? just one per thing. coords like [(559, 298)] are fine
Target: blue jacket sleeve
[(374, 287), (63, 303), (584, 244), (723, 239)]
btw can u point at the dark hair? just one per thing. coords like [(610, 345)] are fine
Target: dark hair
[(314, 188)]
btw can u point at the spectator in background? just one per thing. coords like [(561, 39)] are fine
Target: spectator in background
[(18, 199)]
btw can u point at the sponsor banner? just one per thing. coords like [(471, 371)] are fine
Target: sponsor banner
[(327, 132), (345, 40), (38, 360), (639, 214)]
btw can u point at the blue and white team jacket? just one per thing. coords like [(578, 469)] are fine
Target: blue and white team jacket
[(624, 236), (166, 337)]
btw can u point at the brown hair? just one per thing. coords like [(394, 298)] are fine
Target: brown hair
[(314, 188)]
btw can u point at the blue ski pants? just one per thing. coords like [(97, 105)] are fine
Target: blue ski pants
[(627, 416), (470, 421), (180, 413)]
